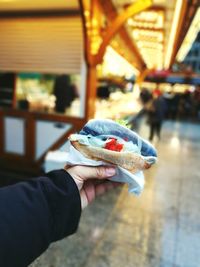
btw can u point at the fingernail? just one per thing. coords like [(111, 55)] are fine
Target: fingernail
[(110, 171)]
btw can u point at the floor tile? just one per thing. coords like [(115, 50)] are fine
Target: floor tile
[(188, 247), (160, 228)]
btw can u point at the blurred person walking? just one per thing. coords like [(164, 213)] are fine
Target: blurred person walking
[(64, 92), (156, 110)]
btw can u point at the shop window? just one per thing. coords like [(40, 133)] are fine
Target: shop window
[(44, 47), (49, 93)]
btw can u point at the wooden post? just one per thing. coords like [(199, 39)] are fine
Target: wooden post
[(91, 91), (91, 17), (142, 76)]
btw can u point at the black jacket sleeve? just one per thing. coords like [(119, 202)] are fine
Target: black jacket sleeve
[(35, 213)]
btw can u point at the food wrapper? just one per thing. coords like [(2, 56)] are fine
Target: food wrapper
[(134, 181)]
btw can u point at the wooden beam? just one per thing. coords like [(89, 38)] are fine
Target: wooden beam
[(111, 14), (118, 23), (139, 64)]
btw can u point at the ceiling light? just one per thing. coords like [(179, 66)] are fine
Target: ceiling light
[(172, 36), (190, 37)]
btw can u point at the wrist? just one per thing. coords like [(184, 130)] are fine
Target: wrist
[(77, 179)]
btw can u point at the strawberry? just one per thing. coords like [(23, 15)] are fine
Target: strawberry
[(112, 144), (119, 147)]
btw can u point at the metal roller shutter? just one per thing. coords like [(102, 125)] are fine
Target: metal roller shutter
[(46, 45)]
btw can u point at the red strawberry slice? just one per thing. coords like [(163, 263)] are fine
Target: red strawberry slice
[(113, 145)]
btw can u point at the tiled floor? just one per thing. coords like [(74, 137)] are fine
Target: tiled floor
[(161, 228)]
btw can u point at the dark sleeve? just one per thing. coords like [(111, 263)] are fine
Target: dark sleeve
[(35, 213)]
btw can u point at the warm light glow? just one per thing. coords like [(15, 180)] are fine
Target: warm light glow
[(93, 32), (190, 37), (147, 29), (94, 22), (87, 13), (87, 24), (151, 47), (172, 36), (148, 19), (175, 142), (115, 64), (152, 35)]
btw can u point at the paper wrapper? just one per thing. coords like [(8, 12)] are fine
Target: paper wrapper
[(135, 181)]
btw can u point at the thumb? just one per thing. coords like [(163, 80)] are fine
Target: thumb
[(101, 172), (85, 172)]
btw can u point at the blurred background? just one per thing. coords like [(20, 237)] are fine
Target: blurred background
[(65, 62)]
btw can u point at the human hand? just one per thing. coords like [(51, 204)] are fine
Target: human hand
[(91, 181)]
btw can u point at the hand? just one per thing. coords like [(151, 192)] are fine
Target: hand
[(91, 181)]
